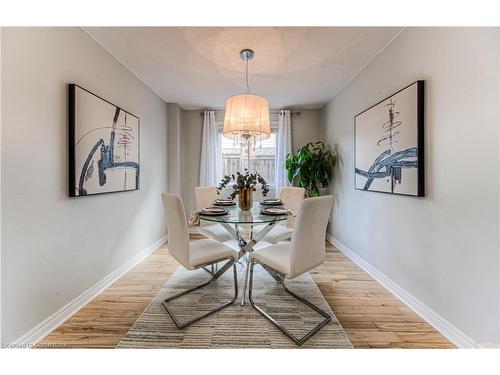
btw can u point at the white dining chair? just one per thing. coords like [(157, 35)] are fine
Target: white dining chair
[(290, 260), (291, 197), (194, 255), (204, 197)]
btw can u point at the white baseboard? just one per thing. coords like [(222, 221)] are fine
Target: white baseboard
[(447, 329), (489, 345), (41, 330)]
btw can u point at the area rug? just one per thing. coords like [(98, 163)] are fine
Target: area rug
[(235, 326)]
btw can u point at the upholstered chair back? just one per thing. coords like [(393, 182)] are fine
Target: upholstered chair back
[(292, 198), (178, 234), (204, 196), (308, 237)]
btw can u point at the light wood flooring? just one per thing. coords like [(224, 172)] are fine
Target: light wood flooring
[(371, 316)]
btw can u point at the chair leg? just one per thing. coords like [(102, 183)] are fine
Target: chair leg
[(214, 277), (209, 271), (296, 340)]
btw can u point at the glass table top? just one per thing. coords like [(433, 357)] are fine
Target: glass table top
[(237, 216)]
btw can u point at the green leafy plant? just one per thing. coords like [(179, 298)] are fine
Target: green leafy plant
[(243, 180), (311, 166)]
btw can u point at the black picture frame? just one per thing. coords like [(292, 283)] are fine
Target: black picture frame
[(72, 124), (420, 122)]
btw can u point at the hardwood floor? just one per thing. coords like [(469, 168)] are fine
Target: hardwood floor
[(371, 316), (107, 318)]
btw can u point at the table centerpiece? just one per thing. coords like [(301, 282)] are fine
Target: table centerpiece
[(244, 184)]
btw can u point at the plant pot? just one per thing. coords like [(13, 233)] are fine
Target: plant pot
[(245, 200)]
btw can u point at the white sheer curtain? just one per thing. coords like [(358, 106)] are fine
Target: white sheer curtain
[(211, 156), (283, 147)]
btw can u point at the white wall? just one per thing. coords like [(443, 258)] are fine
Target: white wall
[(53, 247), (306, 127), (174, 147), (444, 248), (191, 136), (1, 337)]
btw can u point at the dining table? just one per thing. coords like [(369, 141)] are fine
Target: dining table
[(236, 220)]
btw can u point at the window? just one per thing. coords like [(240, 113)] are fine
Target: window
[(262, 160)]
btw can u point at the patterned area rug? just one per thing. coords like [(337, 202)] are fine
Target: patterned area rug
[(235, 326)]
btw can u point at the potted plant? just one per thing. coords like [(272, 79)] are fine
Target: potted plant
[(244, 186), (311, 167)]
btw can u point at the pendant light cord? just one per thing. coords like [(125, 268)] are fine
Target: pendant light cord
[(246, 77)]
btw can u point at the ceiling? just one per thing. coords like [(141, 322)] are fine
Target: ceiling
[(199, 67)]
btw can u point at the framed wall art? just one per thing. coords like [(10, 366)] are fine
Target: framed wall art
[(104, 145), (389, 144)]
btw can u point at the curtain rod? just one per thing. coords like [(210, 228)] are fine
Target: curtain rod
[(296, 113)]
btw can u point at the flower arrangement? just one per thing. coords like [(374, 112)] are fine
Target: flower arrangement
[(243, 181)]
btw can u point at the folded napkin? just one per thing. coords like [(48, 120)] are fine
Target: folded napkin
[(290, 218), (194, 219)]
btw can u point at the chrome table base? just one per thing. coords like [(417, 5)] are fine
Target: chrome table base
[(246, 247)]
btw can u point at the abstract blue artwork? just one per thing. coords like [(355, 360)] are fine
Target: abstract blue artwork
[(389, 144), (103, 145)]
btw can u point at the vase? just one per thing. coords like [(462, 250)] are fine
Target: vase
[(245, 200)]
